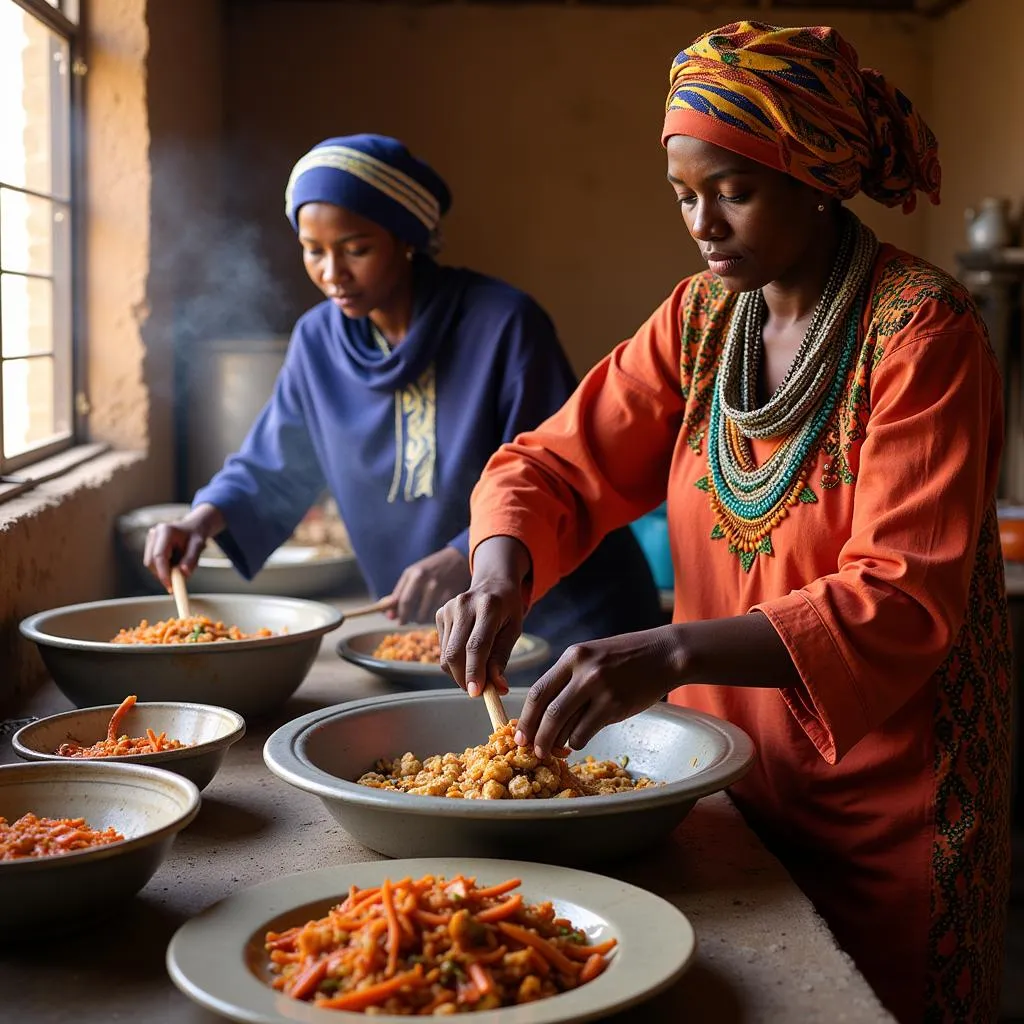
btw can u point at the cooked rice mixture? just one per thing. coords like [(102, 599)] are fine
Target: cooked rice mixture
[(500, 770), (421, 645), (197, 629)]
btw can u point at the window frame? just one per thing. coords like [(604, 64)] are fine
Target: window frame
[(11, 468)]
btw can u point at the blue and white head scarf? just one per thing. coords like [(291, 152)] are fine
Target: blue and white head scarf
[(377, 178)]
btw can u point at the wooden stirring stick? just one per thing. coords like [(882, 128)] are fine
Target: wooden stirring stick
[(495, 708), (368, 609), (180, 594)]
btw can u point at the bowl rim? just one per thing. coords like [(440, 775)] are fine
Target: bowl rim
[(94, 768), (281, 755), (213, 563), (237, 731), (32, 627)]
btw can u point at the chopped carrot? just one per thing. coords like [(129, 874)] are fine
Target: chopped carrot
[(540, 965), (307, 982), (502, 910), (481, 977), (584, 952), (394, 928), (491, 957), (113, 729), (373, 995), (497, 890), (592, 968), (406, 925), (554, 955), (428, 917), (366, 897)]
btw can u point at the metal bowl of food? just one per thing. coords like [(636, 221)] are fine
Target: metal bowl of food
[(252, 676), (44, 892), (205, 733), (316, 560), (399, 664), (686, 754)]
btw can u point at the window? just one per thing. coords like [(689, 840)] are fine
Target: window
[(38, 221)]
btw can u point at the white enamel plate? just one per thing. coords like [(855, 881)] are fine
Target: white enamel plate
[(218, 959)]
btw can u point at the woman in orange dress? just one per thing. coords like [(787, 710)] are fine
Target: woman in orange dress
[(824, 415)]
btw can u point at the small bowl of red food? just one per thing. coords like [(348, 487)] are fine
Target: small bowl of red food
[(79, 838), (189, 739)]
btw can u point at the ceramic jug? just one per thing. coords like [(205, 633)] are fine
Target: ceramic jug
[(988, 226)]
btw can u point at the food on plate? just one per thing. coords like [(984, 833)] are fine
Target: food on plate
[(501, 770), (197, 629), (31, 836), (433, 947), (322, 528), (119, 745), (422, 645)]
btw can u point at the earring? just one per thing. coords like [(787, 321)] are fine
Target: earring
[(821, 207), (409, 253)]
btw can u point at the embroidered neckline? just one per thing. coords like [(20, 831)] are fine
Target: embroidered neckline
[(415, 432)]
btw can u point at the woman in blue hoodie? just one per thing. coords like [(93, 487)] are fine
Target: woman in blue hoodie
[(393, 394)]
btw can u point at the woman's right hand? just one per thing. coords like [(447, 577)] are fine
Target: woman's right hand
[(479, 628), (180, 543)]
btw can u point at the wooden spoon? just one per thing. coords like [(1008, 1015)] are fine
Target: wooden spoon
[(180, 594)]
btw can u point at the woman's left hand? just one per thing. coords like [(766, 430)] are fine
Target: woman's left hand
[(427, 584), (596, 683)]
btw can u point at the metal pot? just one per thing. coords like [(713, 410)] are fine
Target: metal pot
[(228, 382)]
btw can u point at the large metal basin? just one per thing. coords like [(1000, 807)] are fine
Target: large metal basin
[(325, 751), (252, 677)]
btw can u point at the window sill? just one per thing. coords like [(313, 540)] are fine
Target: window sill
[(50, 481)]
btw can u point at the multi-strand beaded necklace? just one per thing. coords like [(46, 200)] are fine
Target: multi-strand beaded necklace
[(748, 500)]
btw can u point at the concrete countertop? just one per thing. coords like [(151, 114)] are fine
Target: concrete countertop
[(764, 955)]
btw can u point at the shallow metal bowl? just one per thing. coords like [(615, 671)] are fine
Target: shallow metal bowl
[(325, 751), (146, 805), (529, 652), (290, 571), (252, 677), (209, 731)]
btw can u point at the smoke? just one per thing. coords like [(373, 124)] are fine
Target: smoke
[(212, 277), (212, 270)]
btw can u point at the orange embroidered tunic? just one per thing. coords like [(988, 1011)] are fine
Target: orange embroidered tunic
[(882, 780)]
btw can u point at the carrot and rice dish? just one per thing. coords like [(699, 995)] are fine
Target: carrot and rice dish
[(419, 645), (197, 629), (32, 836), (433, 947), (117, 744)]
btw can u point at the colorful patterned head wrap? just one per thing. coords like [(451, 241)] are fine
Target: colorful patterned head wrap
[(796, 100), (373, 176)]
